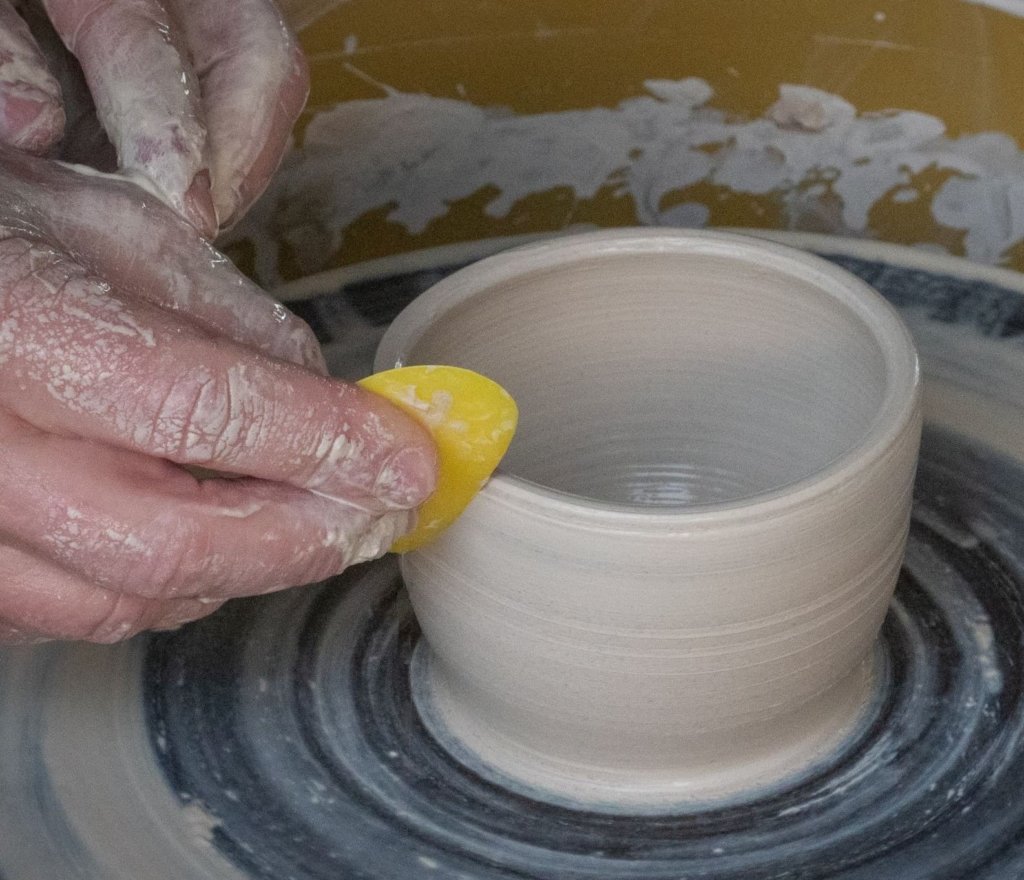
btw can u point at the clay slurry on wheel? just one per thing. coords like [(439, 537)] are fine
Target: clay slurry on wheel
[(315, 764)]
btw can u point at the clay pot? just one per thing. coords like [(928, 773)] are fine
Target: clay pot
[(672, 588)]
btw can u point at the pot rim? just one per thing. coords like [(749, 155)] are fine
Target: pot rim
[(899, 407)]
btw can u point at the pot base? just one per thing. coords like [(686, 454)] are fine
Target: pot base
[(749, 762)]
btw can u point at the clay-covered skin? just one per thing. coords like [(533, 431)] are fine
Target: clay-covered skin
[(130, 347), (31, 115), (196, 95), (254, 80), (672, 588)]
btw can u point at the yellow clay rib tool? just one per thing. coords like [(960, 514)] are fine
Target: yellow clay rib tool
[(472, 420)]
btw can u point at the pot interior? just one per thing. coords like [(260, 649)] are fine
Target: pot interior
[(668, 380)]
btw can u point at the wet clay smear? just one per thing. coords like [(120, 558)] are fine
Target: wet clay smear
[(821, 164)]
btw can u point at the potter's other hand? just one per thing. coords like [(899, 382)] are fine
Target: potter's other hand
[(129, 349), (197, 96)]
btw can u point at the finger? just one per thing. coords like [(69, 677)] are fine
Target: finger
[(84, 139), (41, 601), (146, 96), (78, 359), (144, 527), (147, 252), (31, 116), (54, 606), (254, 82)]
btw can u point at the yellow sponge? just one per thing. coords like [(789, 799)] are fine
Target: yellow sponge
[(472, 420)]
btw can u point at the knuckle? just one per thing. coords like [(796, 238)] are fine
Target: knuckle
[(178, 562), (185, 417), (68, 335), (205, 417)]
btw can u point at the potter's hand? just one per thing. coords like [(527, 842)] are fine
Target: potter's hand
[(129, 347), (197, 96)]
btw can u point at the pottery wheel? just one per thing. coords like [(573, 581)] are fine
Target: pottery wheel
[(280, 738)]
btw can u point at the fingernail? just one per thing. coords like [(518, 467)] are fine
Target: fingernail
[(408, 477), (302, 346), (179, 618), (112, 633), (310, 353), (199, 207), (226, 201), (381, 535)]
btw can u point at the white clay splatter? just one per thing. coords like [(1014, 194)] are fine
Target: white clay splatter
[(827, 164), (1013, 7)]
